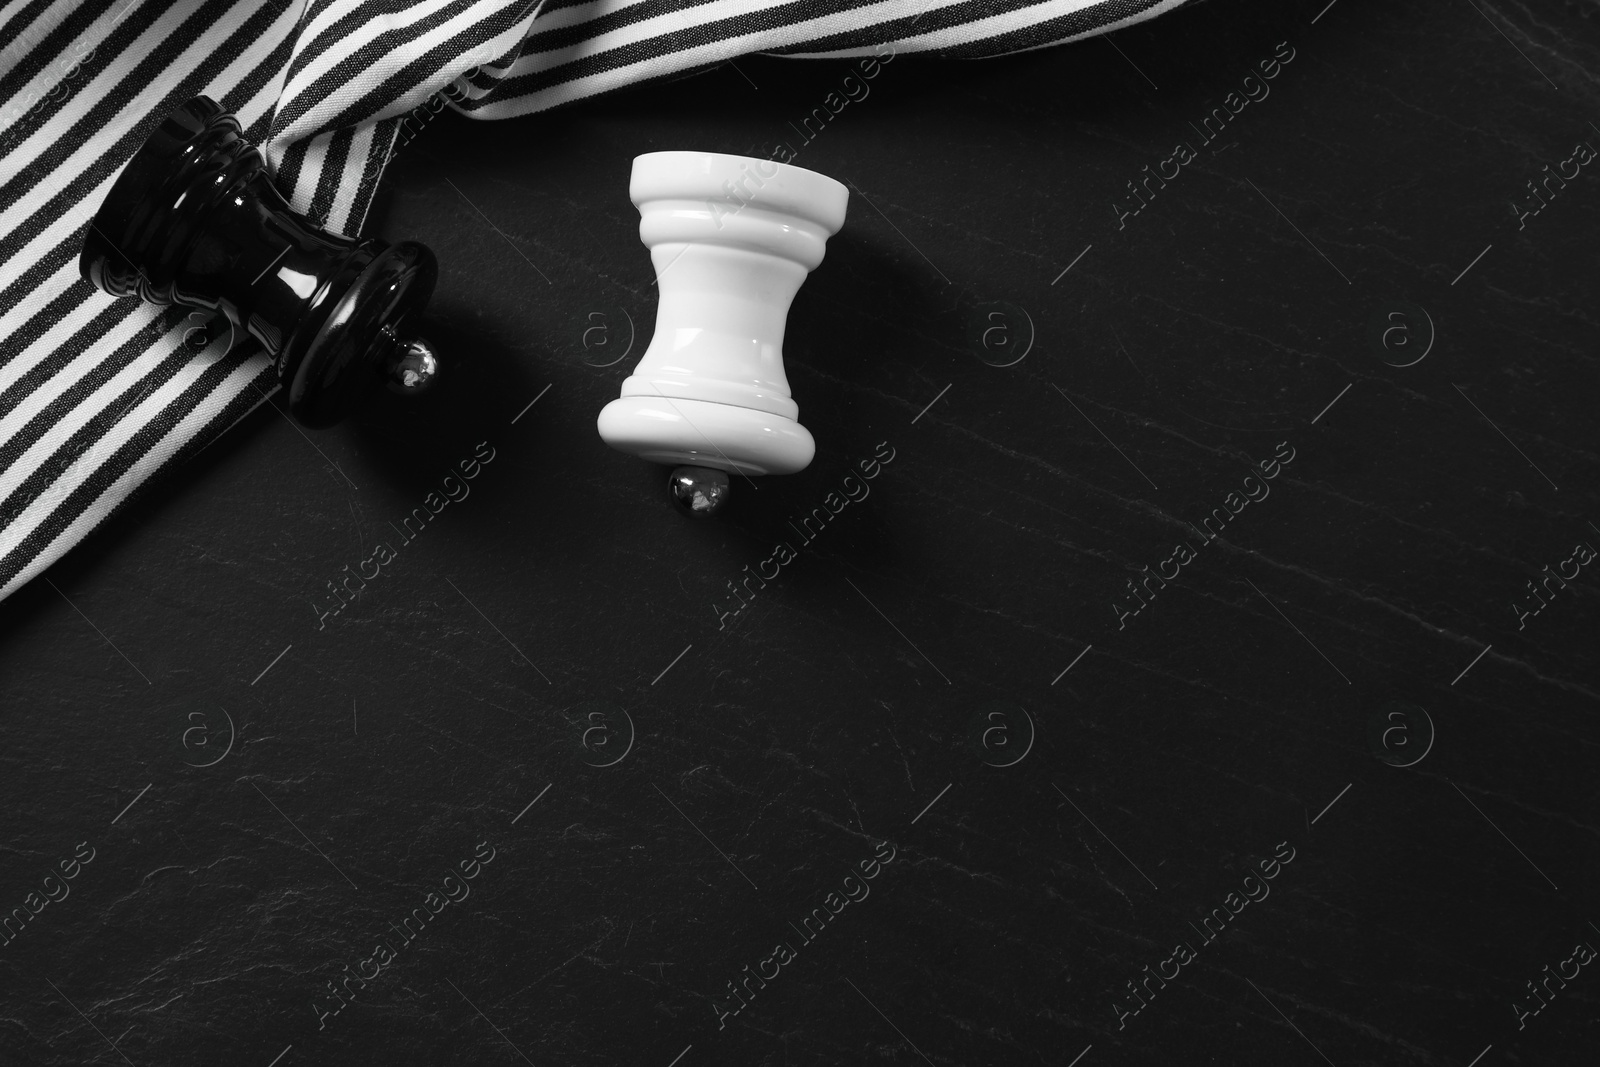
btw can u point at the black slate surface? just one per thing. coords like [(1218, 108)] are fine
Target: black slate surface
[(1339, 690)]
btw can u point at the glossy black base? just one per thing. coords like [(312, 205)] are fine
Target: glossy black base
[(195, 220)]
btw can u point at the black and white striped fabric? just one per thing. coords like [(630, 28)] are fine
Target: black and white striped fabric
[(99, 395)]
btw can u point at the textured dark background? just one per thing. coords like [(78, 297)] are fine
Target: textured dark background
[(855, 691)]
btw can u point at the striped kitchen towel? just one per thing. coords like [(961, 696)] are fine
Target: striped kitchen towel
[(99, 395)]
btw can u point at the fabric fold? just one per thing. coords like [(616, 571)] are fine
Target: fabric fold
[(99, 396)]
